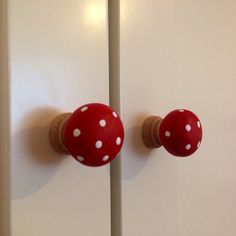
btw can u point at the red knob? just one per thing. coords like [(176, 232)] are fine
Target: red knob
[(180, 132), (93, 134)]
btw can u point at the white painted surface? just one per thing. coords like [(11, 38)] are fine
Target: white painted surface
[(179, 54), (58, 61)]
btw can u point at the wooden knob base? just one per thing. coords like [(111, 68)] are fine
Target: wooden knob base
[(56, 133), (150, 132)]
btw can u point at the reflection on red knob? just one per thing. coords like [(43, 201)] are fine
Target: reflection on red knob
[(180, 132), (93, 134)]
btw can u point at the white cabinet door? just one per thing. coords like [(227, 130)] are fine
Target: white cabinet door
[(58, 60), (179, 54)]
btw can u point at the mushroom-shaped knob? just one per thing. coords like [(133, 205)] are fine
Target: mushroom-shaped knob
[(93, 134), (180, 132)]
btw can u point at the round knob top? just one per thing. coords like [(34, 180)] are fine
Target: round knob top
[(93, 134), (181, 132)]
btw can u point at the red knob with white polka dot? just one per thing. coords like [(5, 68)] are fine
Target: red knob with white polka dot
[(180, 132), (93, 134)]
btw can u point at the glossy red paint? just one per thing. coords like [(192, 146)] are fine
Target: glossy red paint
[(93, 134), (181, 132)]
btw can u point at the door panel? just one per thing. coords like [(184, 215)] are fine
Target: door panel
[(179, 54), (58, 61)]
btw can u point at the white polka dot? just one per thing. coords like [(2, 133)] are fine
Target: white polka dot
[(118, 140), (167, 133), (105, 158), (198, 144), (188, 127), (84, 109), (80, 158), (198, 124), (76, 132), (188, 146), (114, 114), (181, 110), (98, 144), (102, 123)]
